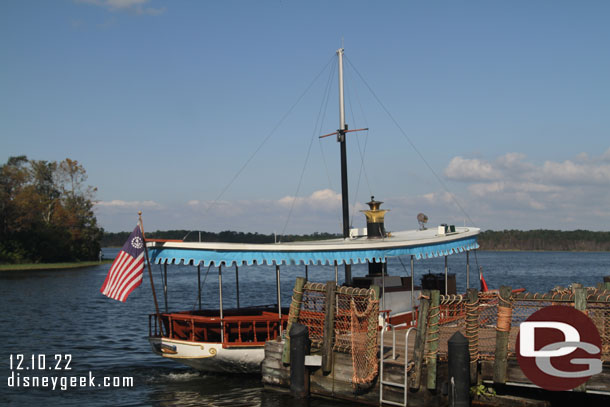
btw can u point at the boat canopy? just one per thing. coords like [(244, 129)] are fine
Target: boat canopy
[(418, 243)]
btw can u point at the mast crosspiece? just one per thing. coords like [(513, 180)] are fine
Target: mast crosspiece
[(342, 132)]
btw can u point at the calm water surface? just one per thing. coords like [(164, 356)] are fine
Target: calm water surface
[(63, 312)]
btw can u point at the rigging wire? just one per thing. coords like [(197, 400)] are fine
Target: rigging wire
[(360, 150), (479, 268), (316, 131), (202, 284), (421, 156), (403, 266), (260, 146), (330, 182), (366, 140)]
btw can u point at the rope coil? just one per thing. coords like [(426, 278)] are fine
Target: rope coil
[(472, 329), (505, 315), (433, 330)]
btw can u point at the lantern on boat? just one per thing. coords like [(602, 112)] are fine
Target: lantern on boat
[(375, 228)]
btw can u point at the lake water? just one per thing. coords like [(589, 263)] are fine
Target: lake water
[(48, 313)]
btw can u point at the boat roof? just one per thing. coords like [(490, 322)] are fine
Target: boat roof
[(418, 243)]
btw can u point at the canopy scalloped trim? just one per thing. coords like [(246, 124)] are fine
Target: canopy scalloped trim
[(160, 255)]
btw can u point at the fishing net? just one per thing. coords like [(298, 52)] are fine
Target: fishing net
[(356, 313), (311, 312), (480, 320), (451, 314), (599, 312), (364, 311), (345, 319)]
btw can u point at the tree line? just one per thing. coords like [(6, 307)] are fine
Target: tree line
[(46, 212), (544, 240), (118, 239)]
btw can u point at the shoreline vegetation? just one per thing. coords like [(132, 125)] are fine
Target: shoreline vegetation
[(46, 213), (52, 266), (506, 240), (47, 222)]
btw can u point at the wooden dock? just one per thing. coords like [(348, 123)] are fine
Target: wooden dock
[(491, 347), (517, 391)]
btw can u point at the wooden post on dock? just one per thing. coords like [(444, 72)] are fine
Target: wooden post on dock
[(580, 303), (420, 340), (472, 333), (502, 332), (293, 315), (433, 334), (329, 327)]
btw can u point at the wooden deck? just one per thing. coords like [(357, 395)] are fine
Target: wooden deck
[(338, 384)]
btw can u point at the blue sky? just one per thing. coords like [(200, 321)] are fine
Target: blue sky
[(164, 102)]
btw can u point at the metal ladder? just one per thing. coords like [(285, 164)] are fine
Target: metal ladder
[(382, 382)]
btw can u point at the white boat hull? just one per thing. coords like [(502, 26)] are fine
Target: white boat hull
[(210, 356)]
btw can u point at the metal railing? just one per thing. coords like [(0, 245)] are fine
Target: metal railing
[(383, 382)]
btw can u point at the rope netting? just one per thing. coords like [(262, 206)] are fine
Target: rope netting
[(355, 324), (311, 312), (481, 319), (477, 320), (345, 318), (522, 309), (364, 341), (600, 314)]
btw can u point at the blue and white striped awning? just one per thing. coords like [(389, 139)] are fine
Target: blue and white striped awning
[(420, 244)]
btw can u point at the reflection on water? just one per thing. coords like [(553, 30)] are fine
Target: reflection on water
[(63, 312)]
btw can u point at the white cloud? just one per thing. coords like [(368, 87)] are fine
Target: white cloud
[(513, 191), (318, 212), (133, 6), (324, 199), (438, 197), (465, 169), (569, 172), (513, 167), (128, 204)]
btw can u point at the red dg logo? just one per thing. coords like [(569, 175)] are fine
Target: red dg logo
[(558, 348)]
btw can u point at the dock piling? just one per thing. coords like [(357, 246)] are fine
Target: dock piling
[(293, 314), (433, 338), (472, 333), (420, 340), (329, 327), (580, 303), (502, 332), (299, 347), (459, 365)]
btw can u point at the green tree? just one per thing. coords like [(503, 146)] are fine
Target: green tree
[(46, 212)]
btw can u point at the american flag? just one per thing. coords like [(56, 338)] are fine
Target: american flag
[(126, 271)]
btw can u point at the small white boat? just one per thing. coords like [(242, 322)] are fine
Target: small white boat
[(233, 340)]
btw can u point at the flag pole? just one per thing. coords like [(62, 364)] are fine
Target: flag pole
[(152, 284)]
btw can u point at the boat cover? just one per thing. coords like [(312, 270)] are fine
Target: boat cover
[(420, 244)]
